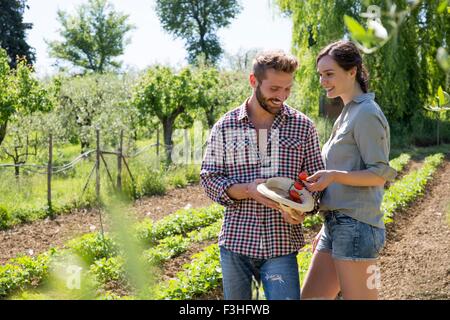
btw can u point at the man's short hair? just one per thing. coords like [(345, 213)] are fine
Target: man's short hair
[(274, 59)]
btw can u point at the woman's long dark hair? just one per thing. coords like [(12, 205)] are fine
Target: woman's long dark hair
[(347, 56)]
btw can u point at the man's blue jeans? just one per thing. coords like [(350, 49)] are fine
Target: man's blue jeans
[(278, 275)]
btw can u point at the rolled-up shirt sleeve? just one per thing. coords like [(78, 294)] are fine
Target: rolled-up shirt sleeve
[(313, 161), (213, 176), (373, 139)]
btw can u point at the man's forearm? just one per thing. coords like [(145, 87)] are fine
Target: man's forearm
[(238, 191)]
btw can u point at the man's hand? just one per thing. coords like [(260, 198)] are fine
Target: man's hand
[(292, 216), (258, 197)]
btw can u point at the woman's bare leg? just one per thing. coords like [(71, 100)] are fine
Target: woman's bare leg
[(321, 281), (359, 280)]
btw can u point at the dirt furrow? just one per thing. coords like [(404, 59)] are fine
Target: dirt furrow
[(415, 263)]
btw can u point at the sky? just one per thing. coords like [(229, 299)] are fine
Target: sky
[(259, 25)]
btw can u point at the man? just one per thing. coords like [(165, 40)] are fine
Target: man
[(262, 138)]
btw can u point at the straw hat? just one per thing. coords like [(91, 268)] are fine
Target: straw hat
[(277, 189)]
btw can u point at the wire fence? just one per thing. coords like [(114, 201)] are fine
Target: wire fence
[(50, 169)]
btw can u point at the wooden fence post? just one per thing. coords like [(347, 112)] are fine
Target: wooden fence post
[(97, 183), (97, 167), (49, 174), (119, 163), (157, 142)]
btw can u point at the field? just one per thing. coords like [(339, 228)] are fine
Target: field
[(165, 246)]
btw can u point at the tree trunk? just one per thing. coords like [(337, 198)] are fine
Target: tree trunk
[(17, 172), (167, 132), (84, 145), (168, 123), (210, 118), (3, 130)]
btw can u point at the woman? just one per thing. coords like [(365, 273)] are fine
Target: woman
[(356, 160)]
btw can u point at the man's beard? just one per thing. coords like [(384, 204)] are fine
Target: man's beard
[(263, 102)]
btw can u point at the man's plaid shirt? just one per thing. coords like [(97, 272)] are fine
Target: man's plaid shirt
[(233, 156)]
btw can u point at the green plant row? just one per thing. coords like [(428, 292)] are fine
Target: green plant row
[(112, 269), (198, 277), (204, 274), (22, 272), (400, 162), (191, 281), (171, 247), (412, 185), (180, 222), (19, 272), (10, 217)]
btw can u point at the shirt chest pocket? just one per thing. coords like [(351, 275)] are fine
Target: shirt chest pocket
[(240, 145), (290, 156), (237, 153)]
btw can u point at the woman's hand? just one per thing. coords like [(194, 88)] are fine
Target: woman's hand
[(319, 180)]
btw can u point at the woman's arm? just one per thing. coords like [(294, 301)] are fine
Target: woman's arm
[(323, 178)]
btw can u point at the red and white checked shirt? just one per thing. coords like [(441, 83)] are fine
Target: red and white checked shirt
[(232, 156)]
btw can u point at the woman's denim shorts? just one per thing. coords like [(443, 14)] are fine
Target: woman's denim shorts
[(349, 239)]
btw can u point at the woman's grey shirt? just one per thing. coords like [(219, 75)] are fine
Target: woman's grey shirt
[(360, 140)]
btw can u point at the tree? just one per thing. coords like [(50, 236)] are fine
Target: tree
[(242, 60), (416, 43), (93, 37), (197, 22), (315, 24), (95, 101), (20, 92), (165, 94), (218, 92), (13, 31), (22, 141), (433, 29), (398, 70)]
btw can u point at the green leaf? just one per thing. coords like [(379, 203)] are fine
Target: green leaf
[(358, 33), (443, 59), (441, 96), (354, 27), (442, 6)]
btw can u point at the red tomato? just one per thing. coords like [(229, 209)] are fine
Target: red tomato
[(294, 195), (302, 176), (298, 185)]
